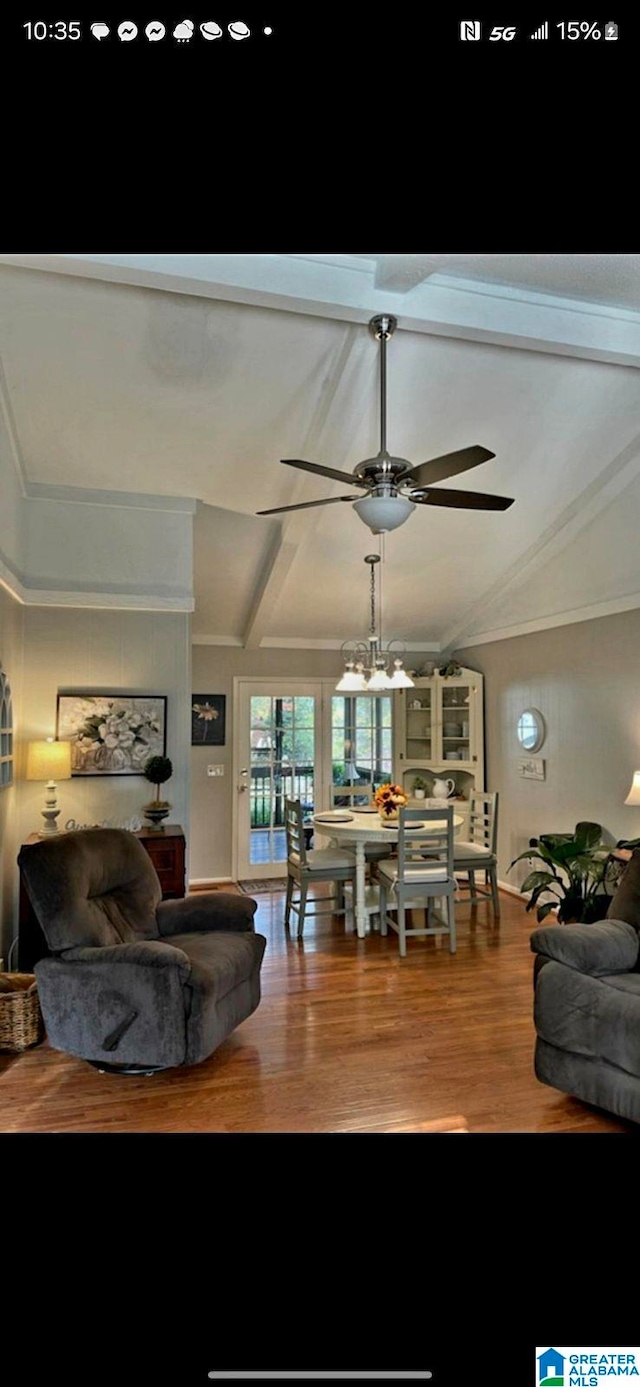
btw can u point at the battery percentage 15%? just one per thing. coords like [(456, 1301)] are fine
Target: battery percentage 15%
[(579, 29)]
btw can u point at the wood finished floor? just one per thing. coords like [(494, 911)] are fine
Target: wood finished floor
[(348, 1037)]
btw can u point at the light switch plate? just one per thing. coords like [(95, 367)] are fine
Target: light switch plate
[(215, 770)]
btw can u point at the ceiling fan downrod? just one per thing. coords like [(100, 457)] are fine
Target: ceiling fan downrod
[(383, 327)]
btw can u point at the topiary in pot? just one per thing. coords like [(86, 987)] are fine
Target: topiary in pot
[(157, 770)]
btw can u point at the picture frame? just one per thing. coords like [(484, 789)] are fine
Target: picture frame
[(112, 733), (208, 715)]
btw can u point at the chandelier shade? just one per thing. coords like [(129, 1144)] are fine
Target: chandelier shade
[(366, 663)]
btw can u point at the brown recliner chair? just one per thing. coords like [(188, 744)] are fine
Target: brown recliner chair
[(134, 983)]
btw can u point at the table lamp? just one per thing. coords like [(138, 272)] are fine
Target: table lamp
[(633, 796), (50, 761)]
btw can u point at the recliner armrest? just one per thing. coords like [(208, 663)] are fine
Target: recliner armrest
[(148, 953), (609, 946), (206, 910)]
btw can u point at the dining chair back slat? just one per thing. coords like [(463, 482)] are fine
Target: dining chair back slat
[(478, 853), (305, 866), (421, 873)]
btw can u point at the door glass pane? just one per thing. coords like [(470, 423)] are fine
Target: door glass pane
[(361, 734), (282, 766)]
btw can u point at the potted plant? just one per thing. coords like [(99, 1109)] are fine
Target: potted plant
[(573, 869), (157, 770), (420, 787)]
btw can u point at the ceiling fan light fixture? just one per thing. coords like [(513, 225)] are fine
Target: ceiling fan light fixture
[(383, 513)]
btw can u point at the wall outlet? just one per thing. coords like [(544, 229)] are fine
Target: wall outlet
[(215, 770)]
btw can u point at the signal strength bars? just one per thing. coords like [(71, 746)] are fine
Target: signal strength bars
[(542, 32)]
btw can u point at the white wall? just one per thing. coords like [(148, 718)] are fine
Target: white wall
[(11, 502), (11, 626), (119, 549), (585, 680), (74, 650)]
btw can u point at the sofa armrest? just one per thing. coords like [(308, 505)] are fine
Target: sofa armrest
[(148, 953), (204, 911), (609, 946)]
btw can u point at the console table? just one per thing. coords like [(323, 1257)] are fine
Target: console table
[(166, 848)]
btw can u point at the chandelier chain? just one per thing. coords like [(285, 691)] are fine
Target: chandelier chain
[(373, 600)]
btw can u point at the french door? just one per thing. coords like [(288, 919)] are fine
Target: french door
[(299, 738), (278, 754)]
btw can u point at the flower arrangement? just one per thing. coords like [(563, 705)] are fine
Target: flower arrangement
[(389, 799)]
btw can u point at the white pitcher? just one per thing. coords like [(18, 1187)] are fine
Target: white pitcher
[(444, 789)]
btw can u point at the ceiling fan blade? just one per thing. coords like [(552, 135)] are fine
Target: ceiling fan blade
[(448, 465), (323, 471), (305, 505), (462, 500)]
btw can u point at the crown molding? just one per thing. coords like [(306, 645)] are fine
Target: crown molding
[(546, 623)]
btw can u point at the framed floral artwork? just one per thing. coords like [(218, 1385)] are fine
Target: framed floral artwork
[(112, 734), (207, 719)]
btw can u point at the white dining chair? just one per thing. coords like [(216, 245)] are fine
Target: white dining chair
[(477, 853), (421, 873), (305, 866)]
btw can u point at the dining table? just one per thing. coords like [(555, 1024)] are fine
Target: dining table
[(359, 828)]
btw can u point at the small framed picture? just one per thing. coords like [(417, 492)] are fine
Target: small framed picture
[(207, 719)]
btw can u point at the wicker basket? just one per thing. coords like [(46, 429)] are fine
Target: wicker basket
[(21, 1023)]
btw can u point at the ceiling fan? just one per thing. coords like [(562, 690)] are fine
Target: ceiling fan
[(392, 485)]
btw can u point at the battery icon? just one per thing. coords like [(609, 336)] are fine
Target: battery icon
[(610, 31)]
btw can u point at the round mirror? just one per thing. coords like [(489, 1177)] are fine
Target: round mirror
[(531, 729)]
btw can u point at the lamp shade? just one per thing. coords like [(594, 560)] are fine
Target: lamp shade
[(633, 796), (49, 761)]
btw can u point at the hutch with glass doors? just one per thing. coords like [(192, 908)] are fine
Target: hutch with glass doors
[(439, 736)]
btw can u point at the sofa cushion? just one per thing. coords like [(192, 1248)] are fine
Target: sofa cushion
[(584, 1015), (92, 887), (608, 946)]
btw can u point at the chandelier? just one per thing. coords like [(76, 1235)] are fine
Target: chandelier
[(366, 663)]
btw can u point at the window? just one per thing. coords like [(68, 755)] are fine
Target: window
[(6, 732), (361, 746)]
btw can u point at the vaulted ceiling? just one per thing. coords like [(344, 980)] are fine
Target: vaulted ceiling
[(192, 376)]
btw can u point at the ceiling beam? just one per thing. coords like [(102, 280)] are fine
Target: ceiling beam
[(398, 274), (346, 289)]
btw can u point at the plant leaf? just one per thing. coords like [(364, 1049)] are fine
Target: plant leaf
[(544, 910), (542, 879), (555, 840), (588, 834)]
